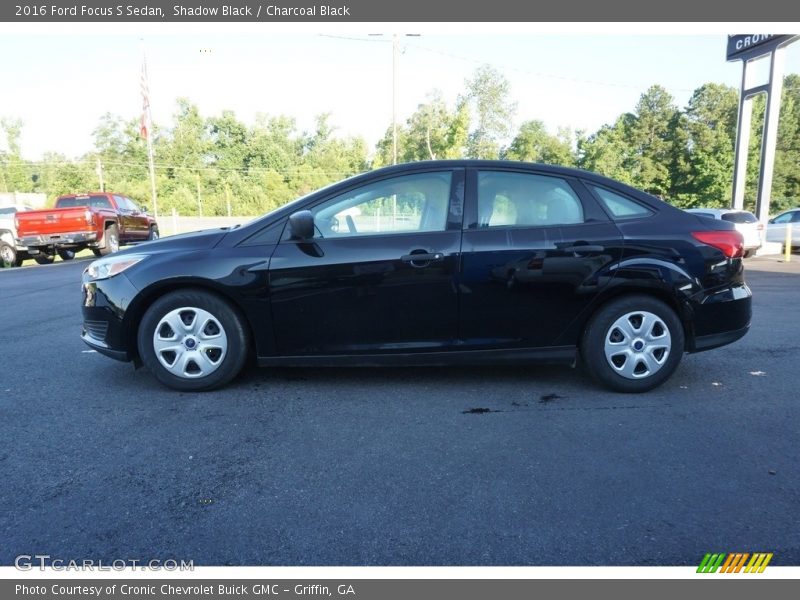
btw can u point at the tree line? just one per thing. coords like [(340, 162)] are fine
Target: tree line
[(204, 165)]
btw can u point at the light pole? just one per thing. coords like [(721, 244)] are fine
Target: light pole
[(395, 51)]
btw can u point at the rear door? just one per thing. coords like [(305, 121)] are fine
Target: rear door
[(380, 274), (533, 246)]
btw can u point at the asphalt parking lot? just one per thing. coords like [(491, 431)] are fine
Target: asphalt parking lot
[(395, 466)]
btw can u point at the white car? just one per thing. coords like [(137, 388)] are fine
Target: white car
[(776, 227), (744, 221), (12, 253)]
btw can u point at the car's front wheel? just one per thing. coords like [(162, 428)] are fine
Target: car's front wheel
[(192, 340), (633, 344)]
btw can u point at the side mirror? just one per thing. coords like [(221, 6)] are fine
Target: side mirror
[(143, 209), (301, 225)]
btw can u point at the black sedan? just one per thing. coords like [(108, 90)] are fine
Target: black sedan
[(431, 263)]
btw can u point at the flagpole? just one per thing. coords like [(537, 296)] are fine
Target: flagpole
[(149, 131)]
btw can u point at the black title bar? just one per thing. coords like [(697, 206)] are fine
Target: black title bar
[(156, 11)]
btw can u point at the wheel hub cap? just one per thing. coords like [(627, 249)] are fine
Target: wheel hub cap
[(637, 345), (190, 342)]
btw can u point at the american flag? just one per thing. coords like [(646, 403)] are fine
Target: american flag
[(144, 128)]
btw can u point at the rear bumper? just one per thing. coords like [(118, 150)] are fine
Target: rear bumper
[(720, 317), (57, 239)]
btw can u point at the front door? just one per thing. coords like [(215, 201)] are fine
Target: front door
[(379, 275)]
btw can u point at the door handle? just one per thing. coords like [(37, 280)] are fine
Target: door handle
[(584, 248), (422, 259)]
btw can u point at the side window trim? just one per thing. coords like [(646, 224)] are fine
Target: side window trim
[(592, 212), (455, 193), (593, 187)]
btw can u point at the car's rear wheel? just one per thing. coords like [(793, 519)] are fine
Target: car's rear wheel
[(749, 253), (66, 254), (44, 258), (633, 344), (192, 340), (153, 235), (111, 242)]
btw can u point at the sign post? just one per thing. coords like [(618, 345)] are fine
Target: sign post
[(749, 48)]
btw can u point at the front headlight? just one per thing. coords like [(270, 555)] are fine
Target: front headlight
[(113, 265)]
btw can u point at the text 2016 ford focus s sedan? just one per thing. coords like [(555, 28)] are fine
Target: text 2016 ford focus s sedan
[(448, 262)]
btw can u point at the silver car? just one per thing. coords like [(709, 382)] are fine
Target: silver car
[(744, 221), (776, 227)]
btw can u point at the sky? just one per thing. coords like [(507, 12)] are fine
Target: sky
[(60, 83)]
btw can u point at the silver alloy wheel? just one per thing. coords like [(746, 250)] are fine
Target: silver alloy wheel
[(637, 344), (153, 234), (113, 242), (190, 342)]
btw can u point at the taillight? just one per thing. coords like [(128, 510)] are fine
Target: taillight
[(89, 216), (760, 227), (730, 242)]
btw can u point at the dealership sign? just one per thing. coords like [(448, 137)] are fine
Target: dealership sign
[(754, 44)]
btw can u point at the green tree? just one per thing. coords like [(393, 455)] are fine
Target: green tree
[(534, 144), (487, 94)]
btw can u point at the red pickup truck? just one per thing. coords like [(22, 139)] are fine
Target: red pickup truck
[(100, 221)]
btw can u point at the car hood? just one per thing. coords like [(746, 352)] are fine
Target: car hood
[(196, 240)]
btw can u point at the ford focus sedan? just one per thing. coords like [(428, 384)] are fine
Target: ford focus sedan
[(431, 263)]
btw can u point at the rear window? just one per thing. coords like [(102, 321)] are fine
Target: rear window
[(92, 201), (702, 214), (621, 207), (9, 210), (739, 217)]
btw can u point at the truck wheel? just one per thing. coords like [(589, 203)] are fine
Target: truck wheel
[(66, 254), (8, 255), (153, 234), (111, 242), (192, 340), (44, 258), (633, 344)]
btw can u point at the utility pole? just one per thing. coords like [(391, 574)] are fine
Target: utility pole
[(199, 200), (394, 98), (99, 171)]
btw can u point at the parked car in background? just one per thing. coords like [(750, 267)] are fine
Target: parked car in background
[(487, 262), (745, 222), (101, 221), (12, 252), (776, 228)]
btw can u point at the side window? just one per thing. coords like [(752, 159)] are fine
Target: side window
[(621, 207), (784, 218), (796, 216), (521, 199), (131, 204), (122, 203), (410, 203)]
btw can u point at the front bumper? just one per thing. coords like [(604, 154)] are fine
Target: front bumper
[(104, 306)]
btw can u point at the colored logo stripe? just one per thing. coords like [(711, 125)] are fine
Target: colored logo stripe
[(734, 561)]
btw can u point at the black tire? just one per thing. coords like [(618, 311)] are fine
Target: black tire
[(632, 354), (97, 252), (749, 253), (153, 234), (111, 241), (183, 303), (9, 256), (66, 254), (44, 259)]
